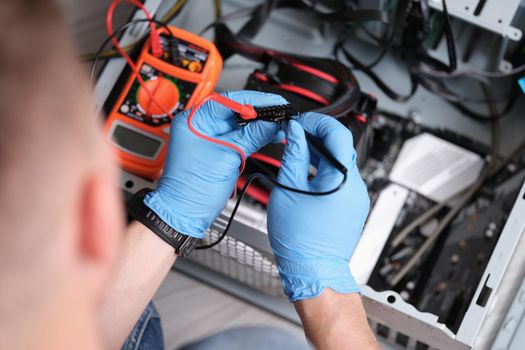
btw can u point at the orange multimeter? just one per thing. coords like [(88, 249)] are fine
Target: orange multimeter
[(137, 126)]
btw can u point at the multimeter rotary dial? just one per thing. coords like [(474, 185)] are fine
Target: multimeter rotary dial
[(165, 97), (170, 94)]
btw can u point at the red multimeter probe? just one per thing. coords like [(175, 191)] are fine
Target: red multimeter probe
[(139, 123)]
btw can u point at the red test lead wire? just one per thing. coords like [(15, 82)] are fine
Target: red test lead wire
[(246, 111), (154, 39), (156, 47)]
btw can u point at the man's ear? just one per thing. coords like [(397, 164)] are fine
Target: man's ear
[(101, 221)]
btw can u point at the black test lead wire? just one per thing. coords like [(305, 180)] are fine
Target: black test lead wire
[(279, 114)]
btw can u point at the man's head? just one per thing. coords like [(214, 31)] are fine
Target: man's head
[(59, 207)]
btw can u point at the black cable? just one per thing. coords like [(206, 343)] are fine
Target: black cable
[(387, 44), (259, 17), (381, 55), (487, 118), (458, 104), (313, 5), (390, 114), (345, 14), (375, 78), (116, 34), (309, 193), (276, 184), (371, 35), (425, 15), (394, 28), (234, 15), (261, 13), (449, 38), (475, 74), (438, 87), (263, 168), (433, 83), (232, 215), (419, 64)]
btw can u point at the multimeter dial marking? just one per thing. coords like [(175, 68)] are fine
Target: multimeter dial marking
[(165, 93), (171, 94)]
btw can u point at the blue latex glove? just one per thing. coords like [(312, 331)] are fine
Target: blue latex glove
[(313, 237), (199, 176)]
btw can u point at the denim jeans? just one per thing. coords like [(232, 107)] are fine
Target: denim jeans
[(147, 335)]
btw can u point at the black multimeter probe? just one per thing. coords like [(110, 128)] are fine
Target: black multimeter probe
[(278, 114), (281, 113)]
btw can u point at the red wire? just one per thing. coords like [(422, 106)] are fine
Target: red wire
[(220, 99), (156, 47), (247, 111), (296, 90), (267, 159), (316, 72), (134, 68), (260, 76), (304, 92)]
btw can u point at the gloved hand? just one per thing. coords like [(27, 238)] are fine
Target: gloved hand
[(313, 237), (199, 176)]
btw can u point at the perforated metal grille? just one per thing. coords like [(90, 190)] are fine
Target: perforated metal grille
[(239, 261)]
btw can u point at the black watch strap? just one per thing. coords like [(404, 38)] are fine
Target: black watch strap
[(183, 244)]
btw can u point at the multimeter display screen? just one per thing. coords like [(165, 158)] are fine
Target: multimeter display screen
[(135, 142)]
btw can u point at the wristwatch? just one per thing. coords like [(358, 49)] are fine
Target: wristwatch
[(139, 211)]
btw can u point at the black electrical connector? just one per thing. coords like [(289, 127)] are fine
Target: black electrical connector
[(284, 112), (277, 114)]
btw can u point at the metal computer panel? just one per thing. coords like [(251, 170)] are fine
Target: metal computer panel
[(392, 313), (511, 335), (501, 323), (494, 15), (494, 272), (396, 321)]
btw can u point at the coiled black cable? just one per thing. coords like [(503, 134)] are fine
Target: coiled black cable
[(276, 184), (316, 145)]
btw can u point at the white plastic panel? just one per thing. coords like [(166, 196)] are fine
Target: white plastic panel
[(376, 232)]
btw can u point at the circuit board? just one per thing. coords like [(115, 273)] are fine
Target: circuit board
[(445, 280)]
